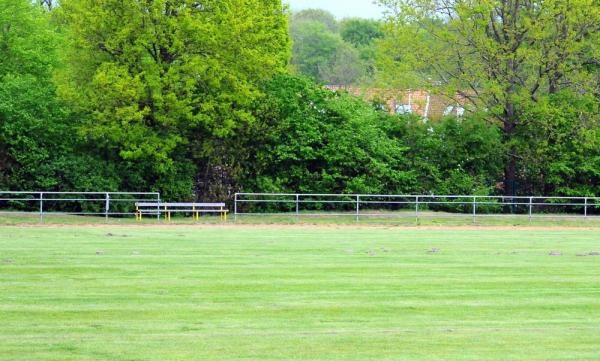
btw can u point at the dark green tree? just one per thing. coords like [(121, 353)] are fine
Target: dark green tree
[(315, 140), (360, 32), (38, 137)]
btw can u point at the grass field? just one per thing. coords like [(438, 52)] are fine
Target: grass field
[(298, 293)]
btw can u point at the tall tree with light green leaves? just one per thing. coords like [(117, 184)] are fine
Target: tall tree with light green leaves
[(163, 81), (501, 57)]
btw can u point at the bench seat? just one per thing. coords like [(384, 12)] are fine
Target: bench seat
[(166, 209)]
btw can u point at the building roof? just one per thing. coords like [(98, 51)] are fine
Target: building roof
[(420, 102)]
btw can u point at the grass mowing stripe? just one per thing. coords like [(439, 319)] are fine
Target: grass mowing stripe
[(281, 293)]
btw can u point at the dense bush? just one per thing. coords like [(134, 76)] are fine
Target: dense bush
[(452, 156), (315, 140), (560, 143)]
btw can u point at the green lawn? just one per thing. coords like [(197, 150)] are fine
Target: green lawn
[(298, 293)]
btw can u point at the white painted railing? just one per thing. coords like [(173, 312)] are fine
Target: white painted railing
[(382, 205)]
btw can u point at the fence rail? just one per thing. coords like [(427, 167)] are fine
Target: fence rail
[(107, 204), (113, 204), (418, 206)]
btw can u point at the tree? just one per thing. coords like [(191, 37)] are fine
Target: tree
[(344, 68), (500, 56), (315, 49), (28, 110), (330, 52), (162, 81), (363, 35), (39, 144), (360, 32), (322, 55), (316, 15)]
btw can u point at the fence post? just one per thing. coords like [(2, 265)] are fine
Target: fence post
[(417, 209), (474, 208), (357, 206), (158, 208), (297, 205), (585, 207), (530, 208), (107, 207), (235, 207), (41, 207)]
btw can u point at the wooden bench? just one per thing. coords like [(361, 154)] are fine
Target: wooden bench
[(196, 209)]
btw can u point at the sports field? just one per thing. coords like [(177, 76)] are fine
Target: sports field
[(298, 293)]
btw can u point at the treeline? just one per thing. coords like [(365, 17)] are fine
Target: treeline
[(198, 100), (334, 52)]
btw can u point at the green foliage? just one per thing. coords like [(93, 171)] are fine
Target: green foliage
[(316, 15), (321, 141), (360, 32), (330, 52), (499, 57), (561, 146), (314, 48), (363, 34), (160, 80), (345, 67), (36, 132), (452, 156)]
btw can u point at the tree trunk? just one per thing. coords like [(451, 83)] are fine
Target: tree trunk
[(510, 170), (510, 174)]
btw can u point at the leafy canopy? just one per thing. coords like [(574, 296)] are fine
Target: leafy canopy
[(161, 79)]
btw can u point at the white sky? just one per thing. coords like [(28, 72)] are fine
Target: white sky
[(340, 8)]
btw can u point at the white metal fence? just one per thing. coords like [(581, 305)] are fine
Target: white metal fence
[(120, 204), (418, 206), (107, 204)]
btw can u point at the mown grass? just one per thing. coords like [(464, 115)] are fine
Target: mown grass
[(297, 293)]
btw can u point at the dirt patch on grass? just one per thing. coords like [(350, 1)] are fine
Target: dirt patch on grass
[(591, 254), (116, 235)]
